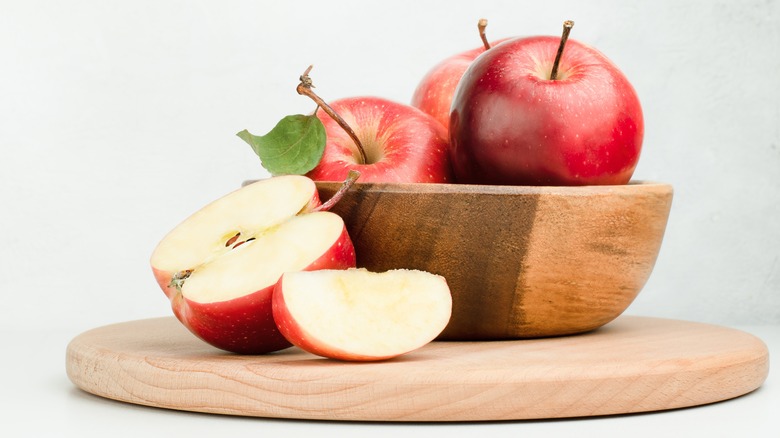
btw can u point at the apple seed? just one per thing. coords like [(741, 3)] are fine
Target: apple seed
[(243, 242), (232, 240)]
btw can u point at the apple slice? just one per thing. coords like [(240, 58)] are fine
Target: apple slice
[(359, 315), (220, 265)]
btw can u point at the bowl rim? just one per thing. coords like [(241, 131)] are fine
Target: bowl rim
[(633, 187)]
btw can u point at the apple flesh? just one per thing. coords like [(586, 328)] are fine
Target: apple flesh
[(511, 124), (357, 315), (220, 265), (401, 143), (435, 91)]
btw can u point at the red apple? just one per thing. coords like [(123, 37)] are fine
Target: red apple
[(220, 265), (401, 143), (435, 91), (359, 315), (512, 124)]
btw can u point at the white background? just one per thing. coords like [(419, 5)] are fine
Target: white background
[(118, 120)]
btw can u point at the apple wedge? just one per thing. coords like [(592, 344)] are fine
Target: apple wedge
[(220, 265), (357, 315)]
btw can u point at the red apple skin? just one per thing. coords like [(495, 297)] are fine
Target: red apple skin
[(511, 125), (245, 325), (435, 91), (402, 143)]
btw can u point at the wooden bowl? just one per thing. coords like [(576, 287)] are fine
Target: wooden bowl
[(521, 262)]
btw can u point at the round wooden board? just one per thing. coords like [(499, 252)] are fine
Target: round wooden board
[(634, 364)]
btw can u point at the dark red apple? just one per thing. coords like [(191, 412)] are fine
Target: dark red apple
[(513, 123)]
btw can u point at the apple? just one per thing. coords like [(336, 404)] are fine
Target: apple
[(219, 266), (358, 315), (435, 91), (400, 143), (515, 122), (386, 141)]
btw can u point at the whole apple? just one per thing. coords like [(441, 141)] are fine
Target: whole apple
[(382, 140), (512, 124), (401, 143), (435, 91)]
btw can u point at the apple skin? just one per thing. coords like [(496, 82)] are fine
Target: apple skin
[(402, 143), (511, 125), (252, 331), (245, 325), (435, 91)]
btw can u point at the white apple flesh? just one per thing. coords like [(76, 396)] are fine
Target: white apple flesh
[(357, 315), (220, 265)]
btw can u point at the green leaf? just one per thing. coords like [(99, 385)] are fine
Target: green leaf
[(294, 146)]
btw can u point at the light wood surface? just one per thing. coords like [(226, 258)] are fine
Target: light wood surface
[(633, 364), (520, 261)]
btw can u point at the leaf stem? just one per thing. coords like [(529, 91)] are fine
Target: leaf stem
[(305, 89), (481, 25), (567, 25)]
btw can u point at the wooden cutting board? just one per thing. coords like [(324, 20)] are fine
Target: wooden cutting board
[(634, 364)]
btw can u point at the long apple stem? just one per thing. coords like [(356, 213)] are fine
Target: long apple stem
[(352, 176), (305, 89), (567, 25), (481, 25)]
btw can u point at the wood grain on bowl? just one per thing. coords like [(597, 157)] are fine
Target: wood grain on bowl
[(521, 261)]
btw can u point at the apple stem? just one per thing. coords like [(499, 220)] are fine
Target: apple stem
[(567, 25), (481, 25), (352, 176), (305, 89)]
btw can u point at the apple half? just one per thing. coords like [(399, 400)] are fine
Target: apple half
[(220, 265), (358, 315)]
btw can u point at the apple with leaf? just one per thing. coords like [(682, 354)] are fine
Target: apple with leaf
[(384, 140)]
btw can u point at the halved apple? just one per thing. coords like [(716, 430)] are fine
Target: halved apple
[(220, 265), (359, 315)]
